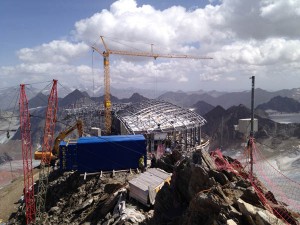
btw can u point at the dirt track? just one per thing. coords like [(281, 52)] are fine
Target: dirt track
[(10, 195)]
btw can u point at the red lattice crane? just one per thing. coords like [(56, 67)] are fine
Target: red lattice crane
[(46, 150), (106, 53), (27, 156)]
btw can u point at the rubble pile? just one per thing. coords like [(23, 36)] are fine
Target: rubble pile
[(197, 194), (71, 199)]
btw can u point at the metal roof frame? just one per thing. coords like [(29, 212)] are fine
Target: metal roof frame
[(153, 116)]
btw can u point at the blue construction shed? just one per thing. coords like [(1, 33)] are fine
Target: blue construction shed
[(68, 155), (106, 153)]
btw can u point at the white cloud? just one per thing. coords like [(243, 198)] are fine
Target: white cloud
[(266, 52), (172, 28), (261, 19), (128, 73), (280, 9), (257, 37), (57, 51), (210, 77), (231, 78), (31, 73)]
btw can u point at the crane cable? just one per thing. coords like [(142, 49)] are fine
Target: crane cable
[(41, 91), (67, 91), (15, 98), (93, 73), (12, 115)]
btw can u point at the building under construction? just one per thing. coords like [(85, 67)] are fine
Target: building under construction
[(159, 121)]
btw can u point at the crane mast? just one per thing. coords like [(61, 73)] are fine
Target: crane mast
[(27, 156), (46, 150), (107, 102), (106, 53)]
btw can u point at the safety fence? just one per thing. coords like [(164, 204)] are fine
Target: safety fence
[(278, 193)]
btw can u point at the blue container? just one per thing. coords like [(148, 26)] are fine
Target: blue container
[(104, 153), (67, 156)]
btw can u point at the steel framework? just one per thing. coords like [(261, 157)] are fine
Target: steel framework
[(27, 156), (51, 115), (158, 116)]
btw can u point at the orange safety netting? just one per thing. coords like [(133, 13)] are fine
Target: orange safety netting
[(286, 190)]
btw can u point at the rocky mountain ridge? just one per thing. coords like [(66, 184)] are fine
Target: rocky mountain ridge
[(184, 99), (228, 99), (281, 104), (221, 127)]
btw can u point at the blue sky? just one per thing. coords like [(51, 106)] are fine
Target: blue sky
[(42, 40), (30, 23), (34, 22)]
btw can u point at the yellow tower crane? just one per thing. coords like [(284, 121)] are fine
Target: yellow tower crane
[(106, 53)]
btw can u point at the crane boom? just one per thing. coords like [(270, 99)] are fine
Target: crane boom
[(107, 52), (155, 56), (146, 54), (46, 150), (78, 125), (27, 157)]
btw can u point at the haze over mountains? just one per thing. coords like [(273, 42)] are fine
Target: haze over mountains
[(228, 99), (221, 120), (213, 113), (183, 99), (199, 101)]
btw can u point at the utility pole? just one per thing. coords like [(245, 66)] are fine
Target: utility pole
[(252, 125), (221, 144)]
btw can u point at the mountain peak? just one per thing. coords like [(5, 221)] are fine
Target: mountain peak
[(73, 97), (136, 97), (281, 104)]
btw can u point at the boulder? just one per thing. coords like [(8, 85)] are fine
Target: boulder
[(260, 216), (55, 210), (219, 177), (199, 180), (230, 222), (266, 218)]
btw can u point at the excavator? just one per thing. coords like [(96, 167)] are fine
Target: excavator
[(62, 135)]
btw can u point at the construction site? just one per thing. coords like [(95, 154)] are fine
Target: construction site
[(140, 163)]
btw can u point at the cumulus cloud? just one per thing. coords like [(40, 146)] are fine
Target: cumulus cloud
[(172, 28), (256, 52), (257, 37), (128, 73), (280, 10), (37, 72), (57, 51), (261, 19)]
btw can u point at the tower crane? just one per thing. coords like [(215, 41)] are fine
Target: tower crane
[(106, 53), (46, 150), (27, 156)]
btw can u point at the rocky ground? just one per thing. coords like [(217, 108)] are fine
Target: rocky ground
[(199, 193)]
